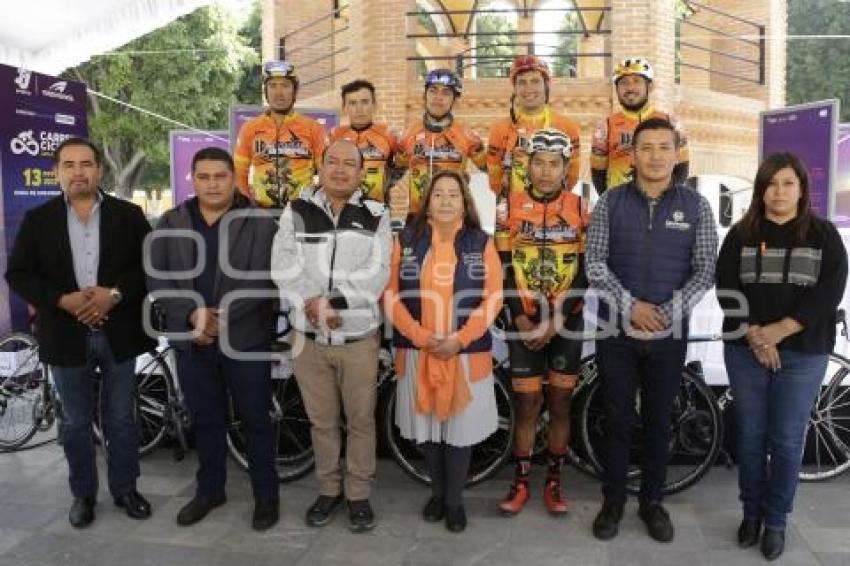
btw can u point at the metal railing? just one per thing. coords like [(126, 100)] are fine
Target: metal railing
[(290, 48), (493, 58), (743, 57)]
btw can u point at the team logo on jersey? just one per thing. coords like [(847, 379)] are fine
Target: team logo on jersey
[(23, 80), (443, 152), (372, 152)]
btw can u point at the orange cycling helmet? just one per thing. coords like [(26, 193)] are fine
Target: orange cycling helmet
[(525, 63)]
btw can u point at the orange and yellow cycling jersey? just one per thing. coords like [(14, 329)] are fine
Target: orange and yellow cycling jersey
[(507, 156), (377, 144), (612, 143), (280, 157), (547, 240), (424, 152)]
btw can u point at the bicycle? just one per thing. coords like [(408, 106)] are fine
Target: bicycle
[(698, 429), (28, 400)]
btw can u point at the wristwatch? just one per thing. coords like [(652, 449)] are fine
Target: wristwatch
[(115, 294)]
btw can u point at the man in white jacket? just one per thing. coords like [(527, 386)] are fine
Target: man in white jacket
[(330, 260)]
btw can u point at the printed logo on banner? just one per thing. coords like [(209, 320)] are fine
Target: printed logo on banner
[(24, 143), (23, 81), (66, 119), (57, 90), (46, 143)]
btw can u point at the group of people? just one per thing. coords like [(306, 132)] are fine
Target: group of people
[(389, 234)]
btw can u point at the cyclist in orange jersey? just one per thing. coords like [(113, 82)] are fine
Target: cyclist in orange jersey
[(544, 279), (377, 143), (277, 152), (435, 142), (611, 158), (507, 156)]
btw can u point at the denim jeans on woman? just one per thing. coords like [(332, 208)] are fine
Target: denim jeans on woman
[(771, 411)]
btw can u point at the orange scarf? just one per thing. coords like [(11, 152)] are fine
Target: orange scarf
[(442, 388)]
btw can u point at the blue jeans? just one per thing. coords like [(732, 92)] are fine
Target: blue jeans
[(206, 377), (654, 366), (771, 412), (76, 391)]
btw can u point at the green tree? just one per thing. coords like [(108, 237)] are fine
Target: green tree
[(250, 90), (188, 70), (818, 67), (564, 59), (490, 46)]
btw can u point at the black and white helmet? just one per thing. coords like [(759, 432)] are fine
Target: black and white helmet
[(551, 140)]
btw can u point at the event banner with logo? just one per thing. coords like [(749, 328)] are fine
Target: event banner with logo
[(184, 144), (37, 112), (810, 131)]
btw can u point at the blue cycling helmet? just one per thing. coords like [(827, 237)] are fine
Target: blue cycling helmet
[(445, 77)]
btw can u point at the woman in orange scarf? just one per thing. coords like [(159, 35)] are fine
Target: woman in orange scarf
[(445, 291)]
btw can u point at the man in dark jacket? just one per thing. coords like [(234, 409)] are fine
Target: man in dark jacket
[(651, 251), (77, 260), (208, 267)]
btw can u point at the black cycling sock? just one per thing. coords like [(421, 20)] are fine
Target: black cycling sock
[(435, 462), (523, 467), (556, 464), (457, 460)]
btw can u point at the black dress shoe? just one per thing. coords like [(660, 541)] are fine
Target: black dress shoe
[(749, 533), (322, 510), (455, 518), (657, 521), (772, 544), (361, 518), (136, 506), (607, 522), (198, 508), (266, 514), (434, 510), (82, 512)]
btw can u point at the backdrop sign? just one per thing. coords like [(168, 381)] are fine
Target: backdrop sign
[(183, 145), (37, 113), (810, 131), (841, 214)]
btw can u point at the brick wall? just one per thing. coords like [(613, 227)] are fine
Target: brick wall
[(722, 123)]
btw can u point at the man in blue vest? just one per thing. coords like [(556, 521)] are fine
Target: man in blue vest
[(651, 252)]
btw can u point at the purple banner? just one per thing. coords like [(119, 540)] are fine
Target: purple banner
[(241, 113), (37, 112), (808, 131), (841, 213), (183, 145)]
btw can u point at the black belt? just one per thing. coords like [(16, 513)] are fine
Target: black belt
[(313, 336)]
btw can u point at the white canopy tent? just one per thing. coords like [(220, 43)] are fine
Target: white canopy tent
[(51, 35)]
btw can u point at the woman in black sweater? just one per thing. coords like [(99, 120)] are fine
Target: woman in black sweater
[(780, 278)]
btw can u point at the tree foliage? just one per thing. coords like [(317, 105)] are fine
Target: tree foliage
[(188, 70), (818, 67), (497, 50)]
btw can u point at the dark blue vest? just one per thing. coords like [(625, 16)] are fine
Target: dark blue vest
[(652, 256), (468, 279)]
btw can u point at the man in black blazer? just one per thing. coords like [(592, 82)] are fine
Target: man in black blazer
[(78, 260), (209, 268)]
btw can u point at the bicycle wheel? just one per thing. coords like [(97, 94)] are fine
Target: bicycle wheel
[(695, 441), (21, 377), (488, 456), (154, 398), (293, 449), (828, 431)]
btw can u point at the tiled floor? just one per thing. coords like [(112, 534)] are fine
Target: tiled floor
[(34, 529)]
